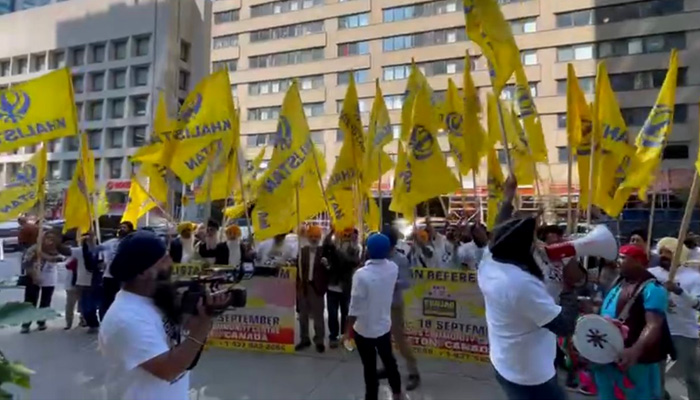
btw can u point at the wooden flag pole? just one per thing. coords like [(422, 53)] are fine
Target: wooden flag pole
[(685, 223), (298, 230), (381, 196), (40, 214), (650, 227), (477, 199)]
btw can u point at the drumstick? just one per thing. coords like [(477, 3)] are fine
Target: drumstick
[(685, 223)]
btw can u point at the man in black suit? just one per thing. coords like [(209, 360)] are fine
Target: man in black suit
[(312, 284)]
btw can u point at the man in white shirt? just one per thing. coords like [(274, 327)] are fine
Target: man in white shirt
[(275, 253), (111, 286), (369, 320), (142, 337), (523, 319), (682, 314)]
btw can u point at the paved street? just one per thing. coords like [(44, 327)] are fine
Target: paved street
[(68, 366)]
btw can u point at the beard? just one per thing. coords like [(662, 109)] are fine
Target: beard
[(167, 299)]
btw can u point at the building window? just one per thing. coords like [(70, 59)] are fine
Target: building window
[(423, 39), (72, 143), (281, 85), (141, 45), (563, 154), (184, 51), (629, 81), (221, 42), (114, 167), (97, 53), (139, 104), (57, 59), (78, 83), (5, 68), (118, 80), (289, 31), (94, 139), (118, 49), (394, 102), (353, 49), (508, 92), (223, 17), (529, 57), (360, 75), (638, 115), (623, 47), (281, 7), (617, 13), (38, 62), (317, 137), (140, 75), (523, 25), (115, 138), (77, 56), (363, 105), (20, 64), (286, 58), (116, 108), (71, 165), (94, 110), (183, 81), (97, 81), (339, 135), (353, 21), (79, 110), (263, 113), (231, 65), (54, 172), (676, 151), (587, 85), (313, 109), (421, 10), (138, 136), (430, 68)]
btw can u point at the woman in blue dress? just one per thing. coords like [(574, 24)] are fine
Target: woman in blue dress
[(636, 375)]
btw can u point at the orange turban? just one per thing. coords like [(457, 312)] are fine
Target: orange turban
[(422, 235), (314, 232), (234, 230)]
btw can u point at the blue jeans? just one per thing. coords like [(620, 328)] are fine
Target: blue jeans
[(549, 390), (89, 304)]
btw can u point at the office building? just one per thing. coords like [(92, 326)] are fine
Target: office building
[(320, 42), (122, 54)]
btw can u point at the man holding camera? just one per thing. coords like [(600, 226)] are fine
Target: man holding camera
[(144, 336)]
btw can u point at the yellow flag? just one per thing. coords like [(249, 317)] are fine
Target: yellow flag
[(224, 179), (486, 27), (38, 110), (523, 163), (474, 133), (139, 203), (205, 130), (377, 162), (347, 170), (425, 174), (416, 81), (157, 183), (492, 121), (79, 210), (311, 202), (158, 151), (371, 216), (529, 116), (652, 138), (402, 172), (258, 160), (292, 157), (579, 125), (454, 123), (342, 208), (615, 154), (102, 204), (495, 183), (26, 188)]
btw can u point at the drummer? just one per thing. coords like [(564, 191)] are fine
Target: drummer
[(636, 376)]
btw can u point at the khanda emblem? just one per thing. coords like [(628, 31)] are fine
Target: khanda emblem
[(453, 121), (190, 109), (524, 100), (14, 105), (652, 133), (421, 143), (381, 133), (283, 136), (25, 176)]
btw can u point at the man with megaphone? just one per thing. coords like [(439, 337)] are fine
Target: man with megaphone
[(523, 319)]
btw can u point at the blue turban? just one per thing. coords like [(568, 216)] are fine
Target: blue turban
[(378, 246)]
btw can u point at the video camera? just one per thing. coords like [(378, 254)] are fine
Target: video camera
[(215, 281)]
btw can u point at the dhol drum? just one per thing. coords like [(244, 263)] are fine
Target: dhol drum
[(598, 339)]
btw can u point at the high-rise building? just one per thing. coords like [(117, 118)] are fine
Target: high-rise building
[(265, 44), (122, 55)]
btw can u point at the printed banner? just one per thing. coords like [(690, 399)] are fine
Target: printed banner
[(267, 321), (445, 315)]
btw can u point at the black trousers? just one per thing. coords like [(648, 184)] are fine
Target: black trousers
[(336, 301), (549, 390), (110, 287), (38, 295), (89, 305), (368, 349)]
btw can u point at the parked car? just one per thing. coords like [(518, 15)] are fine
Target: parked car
[(8, 233)]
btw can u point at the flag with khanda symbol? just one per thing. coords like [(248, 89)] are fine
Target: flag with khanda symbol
[(425, 173), (38, 110), (27, 187), (79, 211)]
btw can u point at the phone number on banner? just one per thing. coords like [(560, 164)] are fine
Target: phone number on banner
[(245, 345), (455, 355)]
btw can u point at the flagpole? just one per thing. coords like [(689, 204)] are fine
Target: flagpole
[(685, 223), (381, 201), (88, 198), (42, 205), (245, 205), (182, 202), (298, 230), (650, 227), (569, 182)]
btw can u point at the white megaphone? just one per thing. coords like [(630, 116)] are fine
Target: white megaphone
[(600, 242)]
